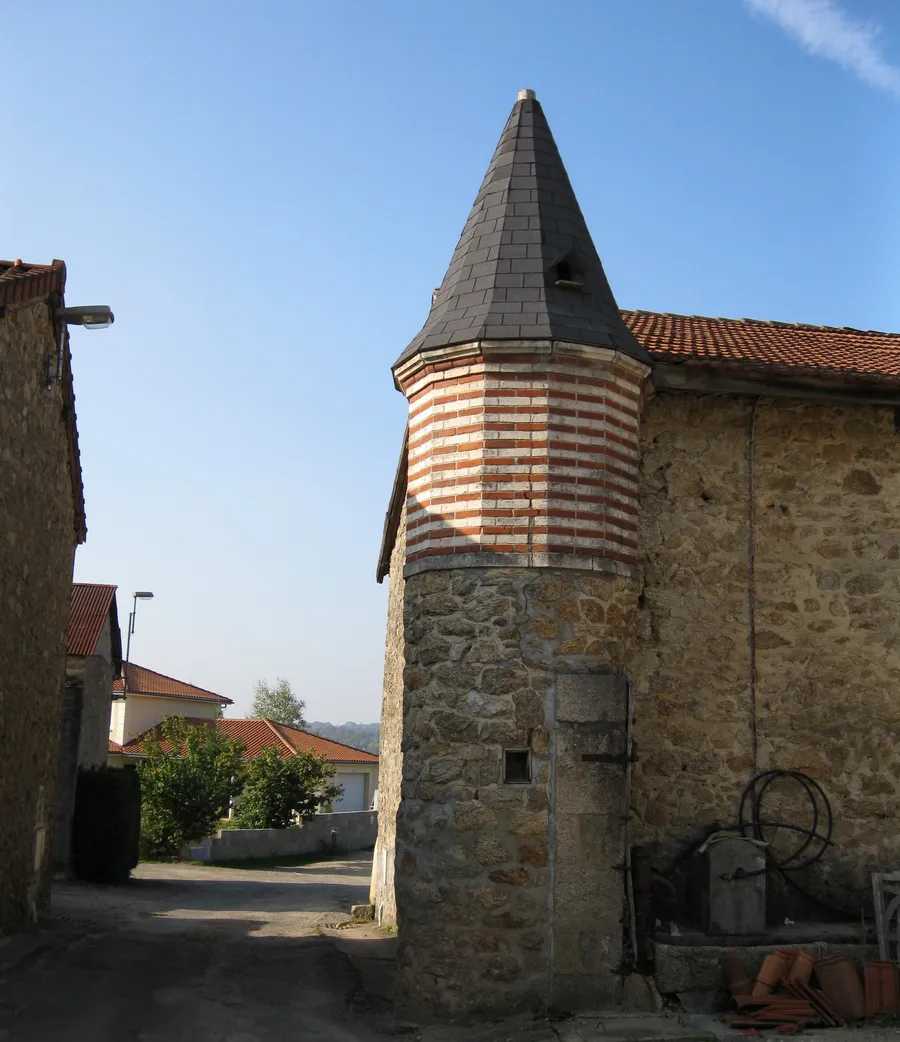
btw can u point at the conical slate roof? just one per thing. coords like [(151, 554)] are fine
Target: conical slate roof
[(525, 266)]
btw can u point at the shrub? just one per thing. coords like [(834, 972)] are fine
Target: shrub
[(279, 788), (188, 778)]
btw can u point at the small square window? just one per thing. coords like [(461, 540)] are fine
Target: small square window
[(517, 766)]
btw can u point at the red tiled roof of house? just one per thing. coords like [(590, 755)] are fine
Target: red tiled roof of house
[(88, 612), (337, 752), (782, 346), (143, 681), (259, 734), (114, 747)]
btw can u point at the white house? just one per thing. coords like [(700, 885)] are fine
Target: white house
[(150, 698)]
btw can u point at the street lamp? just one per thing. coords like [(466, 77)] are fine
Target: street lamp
[(91, 316), (138, 595)]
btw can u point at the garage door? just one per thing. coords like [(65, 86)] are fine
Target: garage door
[(354, 797)]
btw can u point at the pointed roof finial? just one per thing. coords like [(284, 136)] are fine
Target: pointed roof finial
[(525, 267)]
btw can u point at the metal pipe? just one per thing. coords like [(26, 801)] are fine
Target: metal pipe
[(60, 350), (751, 584), (131, 616)]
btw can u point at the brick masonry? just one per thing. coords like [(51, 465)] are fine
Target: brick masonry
[(37, 549), (514, 450)]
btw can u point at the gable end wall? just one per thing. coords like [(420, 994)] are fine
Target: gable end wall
[(36, 559)]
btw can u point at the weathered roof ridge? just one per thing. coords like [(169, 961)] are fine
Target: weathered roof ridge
[(775, 323), (525, 266), (273, 727), (786, 349)]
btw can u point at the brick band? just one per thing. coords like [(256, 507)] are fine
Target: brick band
[(523, 454)]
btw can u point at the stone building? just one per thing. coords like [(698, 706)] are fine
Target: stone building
[(41, 521), (634, 559), (93, 659)]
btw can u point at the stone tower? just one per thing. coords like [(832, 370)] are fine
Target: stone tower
[(511, 544)]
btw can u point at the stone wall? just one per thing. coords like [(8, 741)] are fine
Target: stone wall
[(98, 680), (36, 560), (67, 772), (84, 734), (768, 637), (691, 660), (761, 633), (390, 753), (324, 834), (501, 901)]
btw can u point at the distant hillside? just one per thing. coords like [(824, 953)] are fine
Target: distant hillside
[(360, 736)]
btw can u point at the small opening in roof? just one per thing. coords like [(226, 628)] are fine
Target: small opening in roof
[(566, 276)]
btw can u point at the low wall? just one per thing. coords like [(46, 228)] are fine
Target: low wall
[(340, 832)]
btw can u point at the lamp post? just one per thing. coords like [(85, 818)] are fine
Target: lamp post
[(138, 595), (94, 316)]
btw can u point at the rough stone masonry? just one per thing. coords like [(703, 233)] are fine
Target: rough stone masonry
[(41, 519), (617, 532)]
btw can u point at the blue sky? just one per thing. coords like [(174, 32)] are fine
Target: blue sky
[(266, 195)]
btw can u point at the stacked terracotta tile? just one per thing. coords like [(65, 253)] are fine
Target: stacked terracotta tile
[(882, 988), (783, 996)]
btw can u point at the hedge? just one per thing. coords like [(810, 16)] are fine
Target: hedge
[(107, 824)]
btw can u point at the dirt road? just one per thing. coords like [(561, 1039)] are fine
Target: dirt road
[(191, 953)]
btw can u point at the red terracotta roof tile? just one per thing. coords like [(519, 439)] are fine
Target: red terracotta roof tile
[(143, 681), (21, 282), (88, 612), (303, 741), (781, 346), (114, 747), (259, 734)]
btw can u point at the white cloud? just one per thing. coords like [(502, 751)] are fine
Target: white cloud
[(826, 30)]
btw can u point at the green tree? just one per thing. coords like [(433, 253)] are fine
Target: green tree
[(278, 703), (188, 777), (278, 787)]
